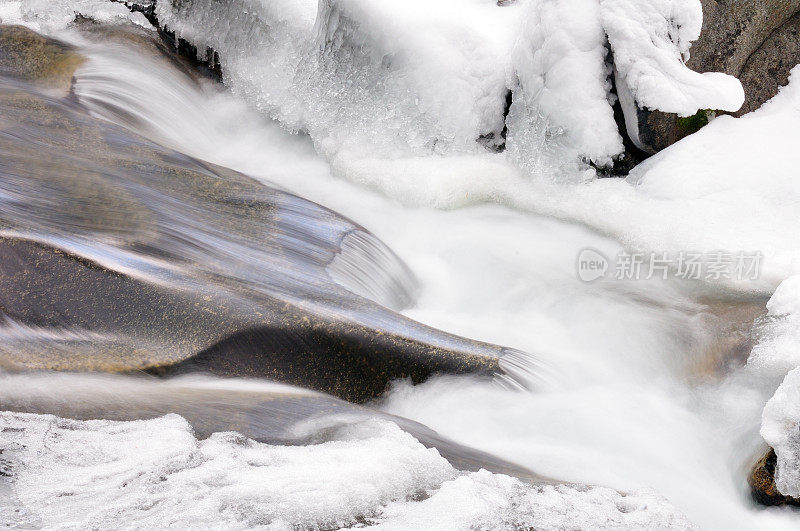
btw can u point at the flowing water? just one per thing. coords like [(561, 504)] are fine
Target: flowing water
[(638, 384)]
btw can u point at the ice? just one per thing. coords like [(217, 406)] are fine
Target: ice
[(776, 352), (54, 15), (385, 84), (563, 94), (394, 81), (398, 78), (490, 501), (650, 40), (781, 429), (155, 473)]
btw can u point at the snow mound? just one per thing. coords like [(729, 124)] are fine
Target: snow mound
[(650, 40), (725, 196), (155, 473)]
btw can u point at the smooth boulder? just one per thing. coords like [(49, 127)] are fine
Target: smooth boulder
[(117, 254)]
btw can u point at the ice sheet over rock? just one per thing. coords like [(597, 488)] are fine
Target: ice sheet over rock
[(781, 429), (776, 352), (155, 473)]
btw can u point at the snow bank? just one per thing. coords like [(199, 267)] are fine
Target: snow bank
[(154, 473), (780, 427), (650, 40), (732, 185)]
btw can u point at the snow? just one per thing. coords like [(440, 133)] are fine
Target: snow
[(155, 473), (650, 40), (732, 185)]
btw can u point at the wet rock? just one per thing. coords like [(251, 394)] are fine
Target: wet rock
[(120, 255), (762, 483), (28, 56)]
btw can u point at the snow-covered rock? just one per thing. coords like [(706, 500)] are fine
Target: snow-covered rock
[(776, 353), (381, 83), (729, 198), (49, 16), (650, 40)]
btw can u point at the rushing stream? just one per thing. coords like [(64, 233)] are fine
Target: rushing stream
[(637, 385)]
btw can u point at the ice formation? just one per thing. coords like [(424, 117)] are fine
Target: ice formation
[(385, 84), (563, 92), (155, 473), (55, 15), (375, 83), (776, 353), (781, 429)]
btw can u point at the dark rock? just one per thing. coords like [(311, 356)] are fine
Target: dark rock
[(767, 69), (733, 30), (762, 483)]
